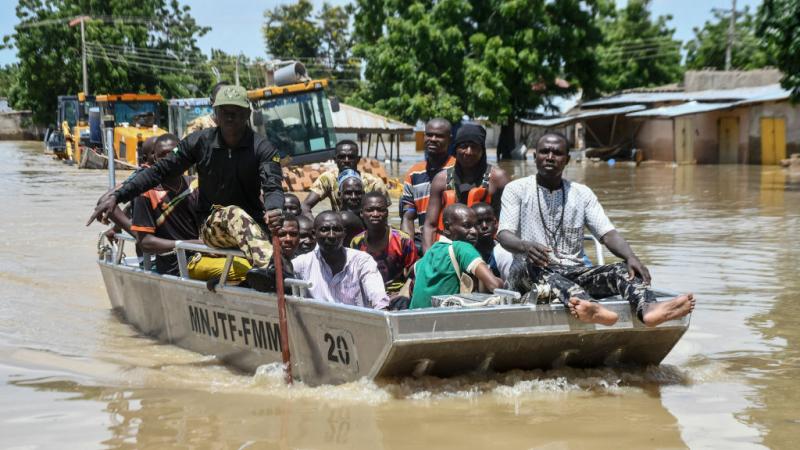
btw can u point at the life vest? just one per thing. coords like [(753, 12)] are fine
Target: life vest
[(475, 195)]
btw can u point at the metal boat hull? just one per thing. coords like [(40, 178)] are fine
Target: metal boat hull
[(334, 343)]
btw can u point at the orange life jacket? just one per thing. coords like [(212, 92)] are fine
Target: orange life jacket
[(475, 195)]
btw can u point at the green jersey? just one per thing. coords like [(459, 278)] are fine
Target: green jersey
[(435, 274)]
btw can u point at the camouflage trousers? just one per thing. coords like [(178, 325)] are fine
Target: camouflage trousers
[(232, 227), (586, 283)]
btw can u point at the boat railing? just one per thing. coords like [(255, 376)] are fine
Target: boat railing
[(598, 249), (117, 252), (299, 287)]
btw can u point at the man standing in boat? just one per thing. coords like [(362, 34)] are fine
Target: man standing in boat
[(542, 220), (346, 157), (470, 181), (417, 184), (234, 165)]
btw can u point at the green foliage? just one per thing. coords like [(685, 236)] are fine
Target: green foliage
[(520, 49), (637, 51), (778, 25), (335, 51), (8, 78), (223, 66), (322, 42), (707, 49), (151, 49), (290, 33), (415, 68), (445, 58)]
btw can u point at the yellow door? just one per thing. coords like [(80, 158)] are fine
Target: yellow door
[(773, 140), (728, 140), (684, 142), (779, 129)]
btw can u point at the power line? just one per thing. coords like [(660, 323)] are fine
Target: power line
[(623, 53), (104, 19), (124, 60), (145, 51), (645, 57), (643, 47), (149, 50), (643, 41)]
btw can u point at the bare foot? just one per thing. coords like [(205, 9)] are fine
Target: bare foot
[(660, 312), (591, 312)]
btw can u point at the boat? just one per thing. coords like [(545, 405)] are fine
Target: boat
[(334, 343), (91, 159)]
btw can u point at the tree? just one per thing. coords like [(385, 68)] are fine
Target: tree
[(322, 42), (335, 50), (8, 78), (415, 58), (223, 66), (778, 22), (493, 58), (520, 54), (637, 51), (148, 46), (707, 48), (290, 33)]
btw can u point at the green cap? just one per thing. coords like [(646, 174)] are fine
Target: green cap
[(232, 95)]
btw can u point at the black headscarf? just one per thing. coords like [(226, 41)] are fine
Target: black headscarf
[(474, 133)]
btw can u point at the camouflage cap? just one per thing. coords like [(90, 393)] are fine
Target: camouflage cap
[(232, 95)]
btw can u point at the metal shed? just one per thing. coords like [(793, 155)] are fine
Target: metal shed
[(365, 124)]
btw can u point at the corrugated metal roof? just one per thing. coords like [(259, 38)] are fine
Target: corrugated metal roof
[(562, 121), (770, 92), (681, 110), (350, 119)]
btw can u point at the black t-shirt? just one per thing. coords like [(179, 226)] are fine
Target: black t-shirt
[(168, 215), (228, 176)]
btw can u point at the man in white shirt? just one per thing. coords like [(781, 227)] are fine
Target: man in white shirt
[(542, 221), (339, 274)]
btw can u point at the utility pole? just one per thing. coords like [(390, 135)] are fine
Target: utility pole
[(72, 23), (731, 36), (237, 70)]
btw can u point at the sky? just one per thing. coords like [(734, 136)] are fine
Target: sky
[(236, 24)]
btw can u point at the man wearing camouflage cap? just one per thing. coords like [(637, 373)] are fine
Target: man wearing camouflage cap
[(234, 166)]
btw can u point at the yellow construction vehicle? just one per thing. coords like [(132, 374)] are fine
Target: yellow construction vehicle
[(136, 118), (63, 139), (295, 114)]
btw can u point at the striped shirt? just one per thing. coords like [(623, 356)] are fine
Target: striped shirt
[(417, 188), (359, 283)]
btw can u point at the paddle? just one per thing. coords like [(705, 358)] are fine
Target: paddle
[(276, 256)]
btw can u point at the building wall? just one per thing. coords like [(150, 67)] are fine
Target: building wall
[(790, 113), (655, 139), (706, 135), (699, 80), (18, 126)]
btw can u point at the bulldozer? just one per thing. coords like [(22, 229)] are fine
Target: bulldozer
[(64, 138), (135, 118)]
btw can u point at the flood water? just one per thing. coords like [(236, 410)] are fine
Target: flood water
[(72, 375)]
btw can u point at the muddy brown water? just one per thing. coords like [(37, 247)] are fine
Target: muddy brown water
[(72, 375)]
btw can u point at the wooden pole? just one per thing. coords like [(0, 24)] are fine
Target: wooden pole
[(287, 359)]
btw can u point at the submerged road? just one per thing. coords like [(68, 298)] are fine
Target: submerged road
[(72, 375)]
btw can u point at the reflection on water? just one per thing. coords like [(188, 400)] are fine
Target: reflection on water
[(72, 372)]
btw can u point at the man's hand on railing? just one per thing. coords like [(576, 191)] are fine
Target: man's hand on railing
[(111, 235)]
